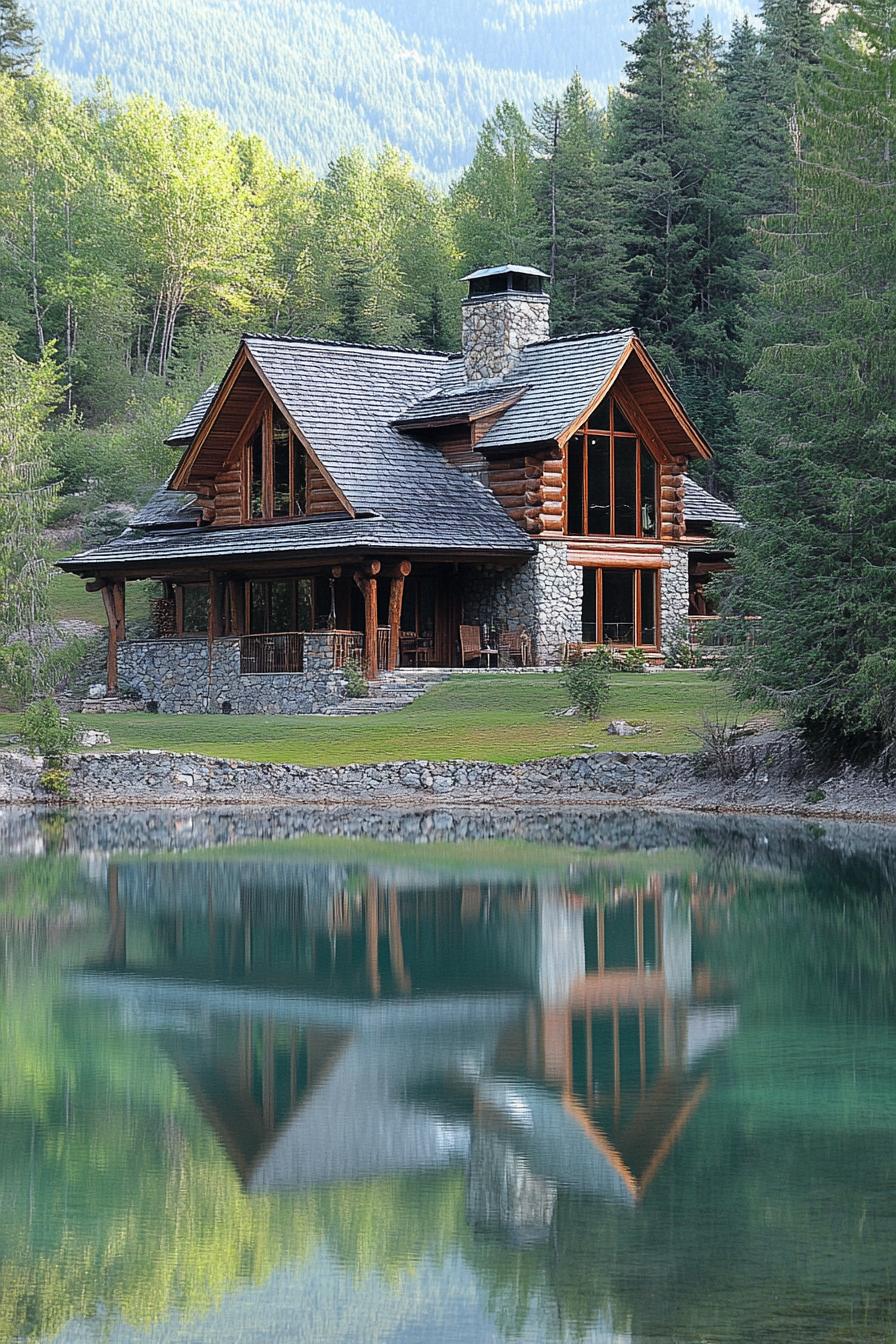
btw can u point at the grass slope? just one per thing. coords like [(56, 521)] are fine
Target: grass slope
[(506, 719), (70, 600)]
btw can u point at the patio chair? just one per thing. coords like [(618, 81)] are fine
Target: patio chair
[(515, 646), (472, 645), (415, 650)]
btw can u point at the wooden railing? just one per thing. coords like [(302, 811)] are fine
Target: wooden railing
[(701, 630), (285, 652), (271, 653), (382, 646), (347, 646)]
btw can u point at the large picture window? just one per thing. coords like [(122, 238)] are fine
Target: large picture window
[(619, 606), (611, 479), (276, 470)]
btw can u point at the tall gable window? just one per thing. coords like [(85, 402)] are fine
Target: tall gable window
[(611, 479), (276, 470)]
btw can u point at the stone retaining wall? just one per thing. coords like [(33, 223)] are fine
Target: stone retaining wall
[(149, 777), (178, 676)]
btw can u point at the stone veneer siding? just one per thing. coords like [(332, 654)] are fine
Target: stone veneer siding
[(496, 327), (544, 597), (177, 675), (674, 596)]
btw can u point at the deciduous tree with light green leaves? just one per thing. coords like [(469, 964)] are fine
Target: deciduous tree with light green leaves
[(28, 393), (495, 199)]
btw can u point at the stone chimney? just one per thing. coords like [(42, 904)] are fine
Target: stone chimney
[(505, 310)]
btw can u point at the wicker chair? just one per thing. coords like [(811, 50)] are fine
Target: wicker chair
[(515, 646), (470, 644)]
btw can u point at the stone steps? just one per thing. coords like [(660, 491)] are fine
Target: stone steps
[(391, 691), (110, 704)]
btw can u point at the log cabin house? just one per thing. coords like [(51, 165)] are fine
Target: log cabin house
[(335, 501)]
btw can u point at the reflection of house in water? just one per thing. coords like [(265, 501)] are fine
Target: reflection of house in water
[(337, 1023)]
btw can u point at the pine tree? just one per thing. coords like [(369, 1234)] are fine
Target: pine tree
[(791, 36), (586, 260), (657, 176), (684, 244), (818, 468), (495, 199), (18, 44), (759, 160), (710, 341)]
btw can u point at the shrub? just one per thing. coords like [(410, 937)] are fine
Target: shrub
[(587, 683), (46, 731), (680, 652), (28, 668), (355, 681), (56, 780), (633, 660)]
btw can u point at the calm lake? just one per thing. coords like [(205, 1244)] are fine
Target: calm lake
[(446, 1078)]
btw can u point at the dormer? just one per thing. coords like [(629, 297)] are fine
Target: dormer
[(248, 461)]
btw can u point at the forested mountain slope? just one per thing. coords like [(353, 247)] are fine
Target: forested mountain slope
[(315, 77)]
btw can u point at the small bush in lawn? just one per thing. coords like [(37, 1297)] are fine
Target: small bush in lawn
[(46, 731), (633, 660), (355, 681), (587, 683)]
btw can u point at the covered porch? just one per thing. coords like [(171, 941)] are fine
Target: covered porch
[(273, 638)]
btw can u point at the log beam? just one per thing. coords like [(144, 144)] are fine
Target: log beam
[(396, 596), (366, 582), (113, 601)]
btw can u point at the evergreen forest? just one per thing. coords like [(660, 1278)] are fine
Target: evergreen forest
[(733, 200)]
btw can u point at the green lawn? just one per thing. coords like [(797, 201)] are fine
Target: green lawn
[(473, 718)]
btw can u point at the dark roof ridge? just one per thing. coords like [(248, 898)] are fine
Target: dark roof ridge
[(346, 345), (581, 336)]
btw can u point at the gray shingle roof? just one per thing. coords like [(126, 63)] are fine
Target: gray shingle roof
[(702, 507), (344, 398), (184, 432), (564, 376), (472, 536), (471, 401), (168, 508)]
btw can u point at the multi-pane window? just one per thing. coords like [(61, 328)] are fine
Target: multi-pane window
[(279, 605), (276, 470), (611, 479), (619, 606)]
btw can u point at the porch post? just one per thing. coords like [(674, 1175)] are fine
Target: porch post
[(113, 601), (214, 606), (366, 581), (396, 593), (236, 605)]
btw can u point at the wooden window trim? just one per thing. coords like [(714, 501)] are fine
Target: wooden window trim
[(265, 417), (611, 435), (637, 613)]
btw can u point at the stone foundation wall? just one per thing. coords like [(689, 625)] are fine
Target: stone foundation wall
[(544, 596), (178, 676), (674, 596)]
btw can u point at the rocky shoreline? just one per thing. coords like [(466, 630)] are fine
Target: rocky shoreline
[(769, 777)]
